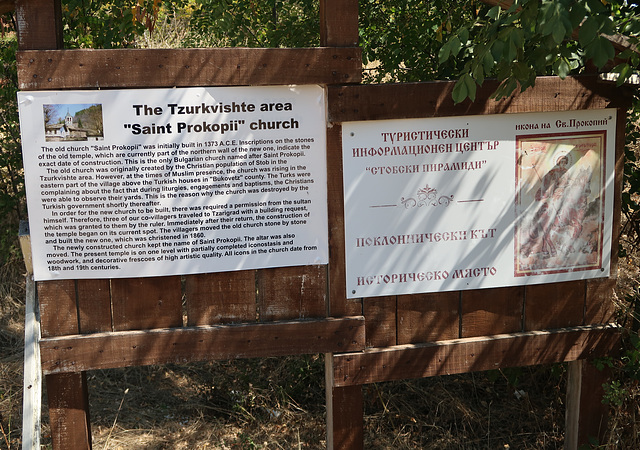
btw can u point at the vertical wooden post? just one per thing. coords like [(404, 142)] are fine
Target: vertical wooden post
[(586, 415), (39, 24), (345, 428), (67, 393), (345, 422), (40, 28)]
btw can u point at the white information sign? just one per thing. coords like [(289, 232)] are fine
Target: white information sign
[(477, 201), (134, 183)]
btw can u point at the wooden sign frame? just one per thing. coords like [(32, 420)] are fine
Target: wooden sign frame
[(96, 324)]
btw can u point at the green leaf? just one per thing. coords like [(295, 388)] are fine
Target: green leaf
[(561, 68), (494, 13), (624, 71), (463, 35), (471, 86), (456, 45), (478, 73), (600, 51), (588, 31), (596, 6), (559, 32), (577, 14), (460, 91)]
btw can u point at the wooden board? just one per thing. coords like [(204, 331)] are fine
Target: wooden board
[(556, 305), (58, 311), (228, 297), (94, 305), (492, 311), (130, 68), (142, 303), (473, 354), (586, 413), (600, 307), (292, 293), (69, 411), (39, 24), (380, 321), (433, 99), (428, 317), (339, 23), (187, 344)]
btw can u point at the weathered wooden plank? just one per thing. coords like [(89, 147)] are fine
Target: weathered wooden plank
[(141, 303), (380, 318), (345, 421), (39, 24), (473, 354), (32, 374), (130, 68), (227, 297), (433, 99), (292, 293), (492, 311), (187, 344), (339, 23), (67, 394), (555, 305), (586, 415), (94, 305), (428, 317), (58, 313), (600, 307), (69, 411)]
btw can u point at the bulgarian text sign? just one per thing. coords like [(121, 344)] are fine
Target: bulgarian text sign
[(130, 183), (477, 201)]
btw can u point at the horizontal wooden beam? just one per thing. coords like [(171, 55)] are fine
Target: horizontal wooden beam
[(474, 354), (140, 68), (181, 345), (433, 99)]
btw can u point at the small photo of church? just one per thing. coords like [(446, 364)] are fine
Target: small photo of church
[(73, 122)]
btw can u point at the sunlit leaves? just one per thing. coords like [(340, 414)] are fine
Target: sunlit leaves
[(543, 37), (464, 87), (600, 51)]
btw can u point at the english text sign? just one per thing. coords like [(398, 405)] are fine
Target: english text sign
[(130, 183)]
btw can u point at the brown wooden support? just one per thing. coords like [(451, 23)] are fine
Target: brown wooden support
[(130, 68), (40, 27), (39, 24), (428, 317), (69, 411), (142, 303), (69, 417), (345, 421), (73, 353), (94, 305), (586, 415), (339, 23), (228, 297), (380, 320), (492, 311), (473, 354), (286, 293)]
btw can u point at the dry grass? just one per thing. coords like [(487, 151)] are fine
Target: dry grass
[(11, 348)]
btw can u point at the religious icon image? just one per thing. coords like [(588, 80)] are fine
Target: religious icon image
[(559, 203)]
